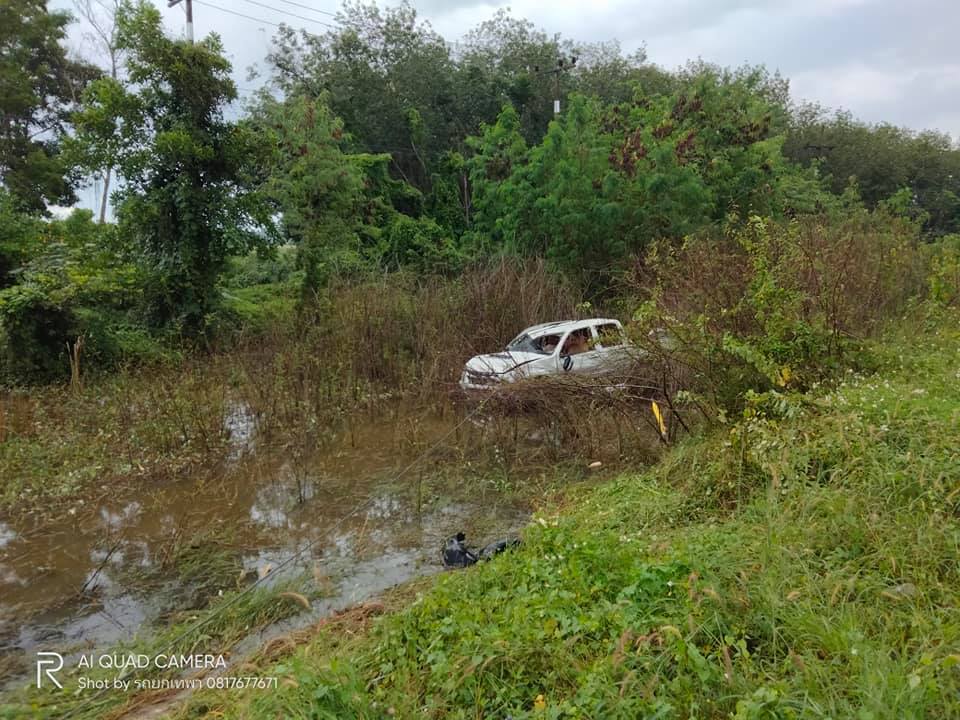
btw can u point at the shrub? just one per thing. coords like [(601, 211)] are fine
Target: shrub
[(34, 330), (420, 245), (78, 285), (774, 305), (944, 279), (260, 268), (19, 234)]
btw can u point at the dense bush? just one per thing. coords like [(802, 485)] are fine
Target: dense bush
[(78, 285), (419, 245), (34, 330), (279, 265), (945, 270), (775, 304), (20, 234)]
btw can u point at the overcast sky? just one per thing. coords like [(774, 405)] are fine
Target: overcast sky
[(884, 60)]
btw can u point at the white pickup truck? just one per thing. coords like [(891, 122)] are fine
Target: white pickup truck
[(595, 346)]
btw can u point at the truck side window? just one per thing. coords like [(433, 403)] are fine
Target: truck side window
[(548, 343), (610, 335), (577, 342)]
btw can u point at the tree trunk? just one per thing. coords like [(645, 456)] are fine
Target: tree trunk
[(106, 194)]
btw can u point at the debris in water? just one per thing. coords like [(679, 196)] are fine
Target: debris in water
[(456, 553)]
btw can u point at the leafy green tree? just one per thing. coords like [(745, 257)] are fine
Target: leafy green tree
[(75, 282), (511, 60), (39, 86), (497, 183), (569, 199), (728, 129), (513, 53), (400, 88), (935, 181), (386, 73), (602, 71), (188, 199), (20, 237), (449, 201), (882, 160), (419, 244)]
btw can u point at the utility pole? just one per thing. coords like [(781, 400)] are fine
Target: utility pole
[(563, 65), (189, 4)]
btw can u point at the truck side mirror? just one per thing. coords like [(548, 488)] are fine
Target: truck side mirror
[(567, 362)]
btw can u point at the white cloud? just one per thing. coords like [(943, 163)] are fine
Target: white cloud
[(916, 97), (850, 86), (826, 8)]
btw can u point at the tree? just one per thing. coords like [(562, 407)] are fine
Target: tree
[(513, 58), (386, 73), (575, 196), (512, 52), (602, 71), (189, 196), (20, 236), (39, 86), (103, 18), (496, 180), (400, 88), (607, 180), (882, 160), (316, 186), (74, 283)]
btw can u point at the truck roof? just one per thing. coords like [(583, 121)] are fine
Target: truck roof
[(562, 326)]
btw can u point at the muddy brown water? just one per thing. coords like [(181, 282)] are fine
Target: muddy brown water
[(100, 575)]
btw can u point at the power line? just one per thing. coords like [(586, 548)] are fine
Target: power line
[(307, 7), (255, 19), (298, 17), (231, 12)]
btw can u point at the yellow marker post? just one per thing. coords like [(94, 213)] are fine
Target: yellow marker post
[(659, 416)]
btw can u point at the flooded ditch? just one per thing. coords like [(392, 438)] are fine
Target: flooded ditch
[(113, 566)]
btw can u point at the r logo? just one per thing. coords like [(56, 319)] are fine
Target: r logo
[(47, 664)]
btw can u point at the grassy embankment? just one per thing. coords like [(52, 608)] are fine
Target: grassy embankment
[(801, 562)]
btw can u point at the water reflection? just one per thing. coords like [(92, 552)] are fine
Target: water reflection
[(240, 426), (6, 535), (79, 583)]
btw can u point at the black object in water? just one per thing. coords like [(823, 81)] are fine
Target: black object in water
[(456, 554)]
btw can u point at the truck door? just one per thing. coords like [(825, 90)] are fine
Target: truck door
[(579, 353)]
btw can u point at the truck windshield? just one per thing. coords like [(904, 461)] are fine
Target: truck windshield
[(543, 345)]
